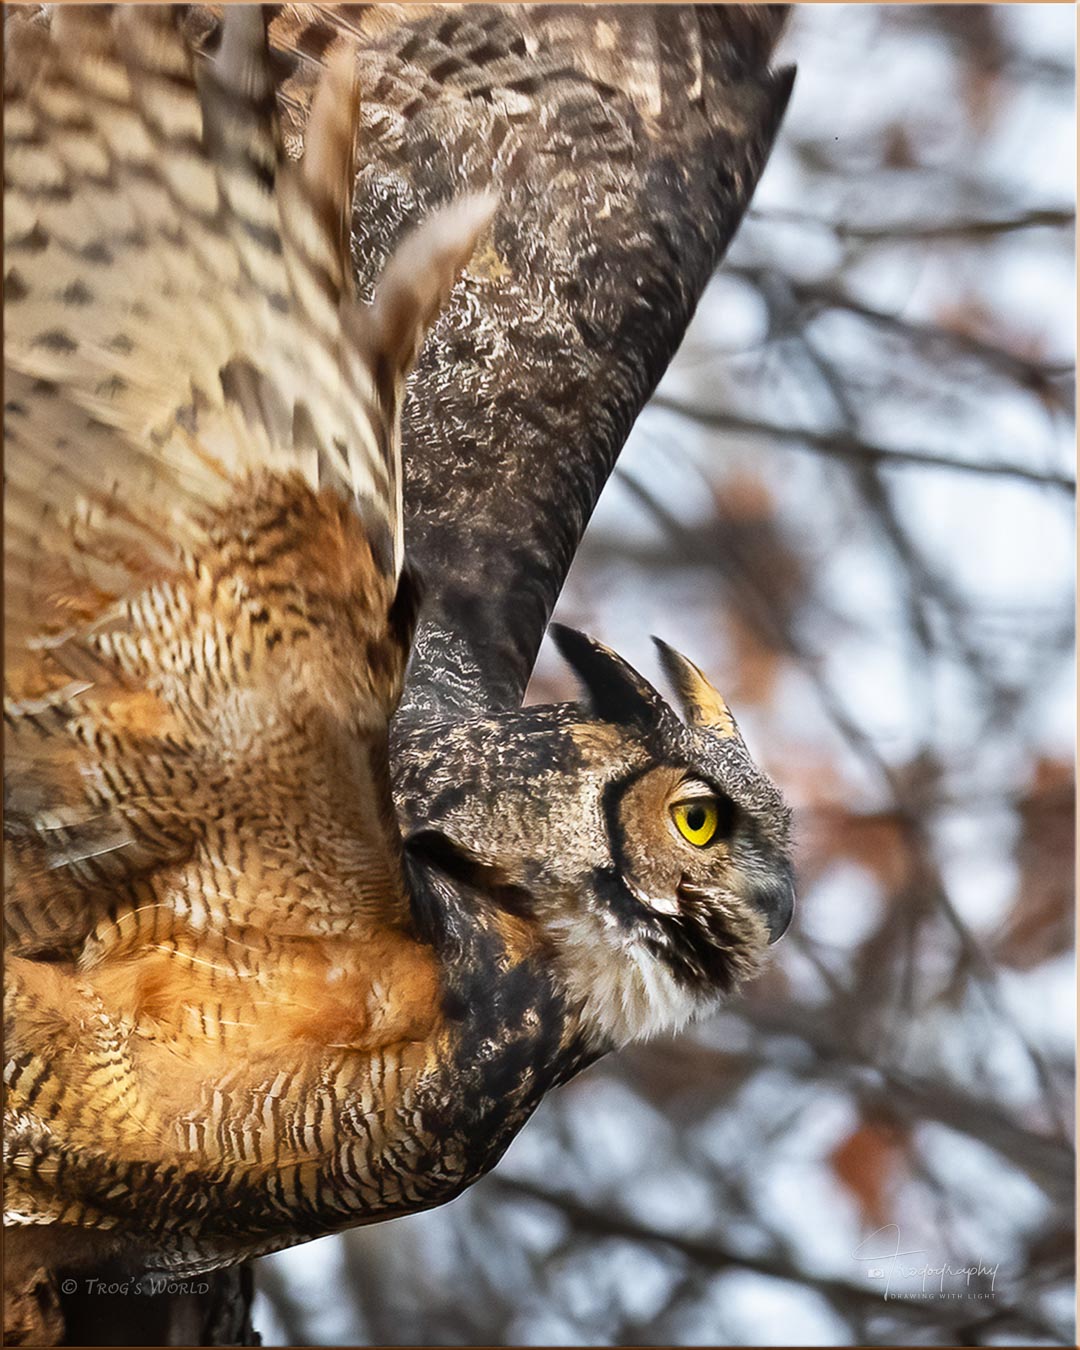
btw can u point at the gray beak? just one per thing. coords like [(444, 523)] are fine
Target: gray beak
[(776, 900)]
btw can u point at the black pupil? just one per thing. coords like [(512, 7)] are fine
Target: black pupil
[(696, 818)]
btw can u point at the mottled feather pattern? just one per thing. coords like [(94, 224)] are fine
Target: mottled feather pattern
[(242, 1009), (207, 632), (624, 142)]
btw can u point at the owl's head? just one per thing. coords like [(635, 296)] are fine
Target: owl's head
[(647, 846)]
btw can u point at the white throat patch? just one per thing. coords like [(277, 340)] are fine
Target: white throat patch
[(625, 992)]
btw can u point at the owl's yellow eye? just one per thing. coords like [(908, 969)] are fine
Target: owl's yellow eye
[(697, 820)]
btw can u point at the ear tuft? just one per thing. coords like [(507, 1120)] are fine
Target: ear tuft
[(616, 692), (702, 704)]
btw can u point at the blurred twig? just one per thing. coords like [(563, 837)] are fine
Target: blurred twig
[(850, 448), (715, 1256), (966, 229)]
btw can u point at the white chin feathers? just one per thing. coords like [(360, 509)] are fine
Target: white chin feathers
[(624, 991)]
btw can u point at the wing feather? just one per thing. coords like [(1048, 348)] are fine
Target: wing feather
[(626, 141), (203, 460)]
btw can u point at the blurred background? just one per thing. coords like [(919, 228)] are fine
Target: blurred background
[(851, 502)]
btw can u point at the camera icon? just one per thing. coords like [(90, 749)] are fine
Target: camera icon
[(875, 1273)]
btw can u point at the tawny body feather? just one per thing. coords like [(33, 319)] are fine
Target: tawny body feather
[(240, 1013), (211, 969)]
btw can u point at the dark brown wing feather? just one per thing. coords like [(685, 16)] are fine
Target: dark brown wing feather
[(626, 142)]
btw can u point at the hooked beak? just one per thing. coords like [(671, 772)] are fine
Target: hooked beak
[(775, 899)]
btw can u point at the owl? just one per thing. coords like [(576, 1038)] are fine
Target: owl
[(324, 327)]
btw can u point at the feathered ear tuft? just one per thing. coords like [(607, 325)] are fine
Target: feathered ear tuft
[(701, 703), (616, 692)]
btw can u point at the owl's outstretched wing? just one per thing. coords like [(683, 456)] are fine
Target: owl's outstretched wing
[(626, 141), (203, 536)]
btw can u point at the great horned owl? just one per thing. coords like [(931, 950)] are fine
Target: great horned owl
[(273, 968)]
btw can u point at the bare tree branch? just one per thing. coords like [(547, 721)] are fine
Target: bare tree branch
[(967, 229), (852, 449)]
